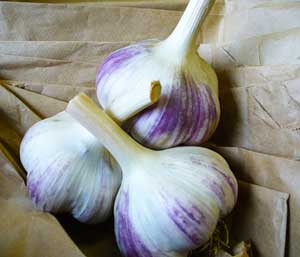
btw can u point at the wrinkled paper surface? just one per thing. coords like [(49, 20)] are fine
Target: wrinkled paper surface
[(272, 172)]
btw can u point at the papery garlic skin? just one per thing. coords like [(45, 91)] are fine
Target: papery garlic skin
[(172, 205), (69, 170), (188, 111)]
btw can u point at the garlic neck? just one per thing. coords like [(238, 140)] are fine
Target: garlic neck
[(182, 41), (115, 140)]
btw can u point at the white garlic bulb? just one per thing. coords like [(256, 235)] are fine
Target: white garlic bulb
[(68, 170), (188, 111), (169, 201)]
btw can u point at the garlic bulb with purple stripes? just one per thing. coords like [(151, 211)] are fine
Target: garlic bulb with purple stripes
[(188, 111), (171, 200), (68, 170)]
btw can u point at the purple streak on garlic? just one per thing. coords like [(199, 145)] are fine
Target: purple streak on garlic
[(169, 201), (190, 127), (116, 60), (125, 232), (69, 170), (188, 111)]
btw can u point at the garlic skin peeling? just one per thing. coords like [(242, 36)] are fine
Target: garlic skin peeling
[(170, 200), (69, 170), (188, 111)]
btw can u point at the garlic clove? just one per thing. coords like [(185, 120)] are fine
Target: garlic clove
[(69, 170), (169, 201), (188, 111)]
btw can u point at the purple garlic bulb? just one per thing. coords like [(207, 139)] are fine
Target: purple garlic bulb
[(169, 201), (188, 111)]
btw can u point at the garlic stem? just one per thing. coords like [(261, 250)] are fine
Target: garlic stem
[(141, 100), (184, 36), (89, 115)]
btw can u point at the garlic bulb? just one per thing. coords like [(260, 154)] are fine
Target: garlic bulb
[(170, 200), (68, 168), (188, 111)]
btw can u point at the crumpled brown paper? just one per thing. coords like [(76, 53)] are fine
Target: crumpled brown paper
[(56, 91), (15, 119), (272, 172), (78, 23), (264, 118), (39, 103), (73, 51), (249, 220), (270, 49), (258, 75), (71, 70), (47, 70)]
